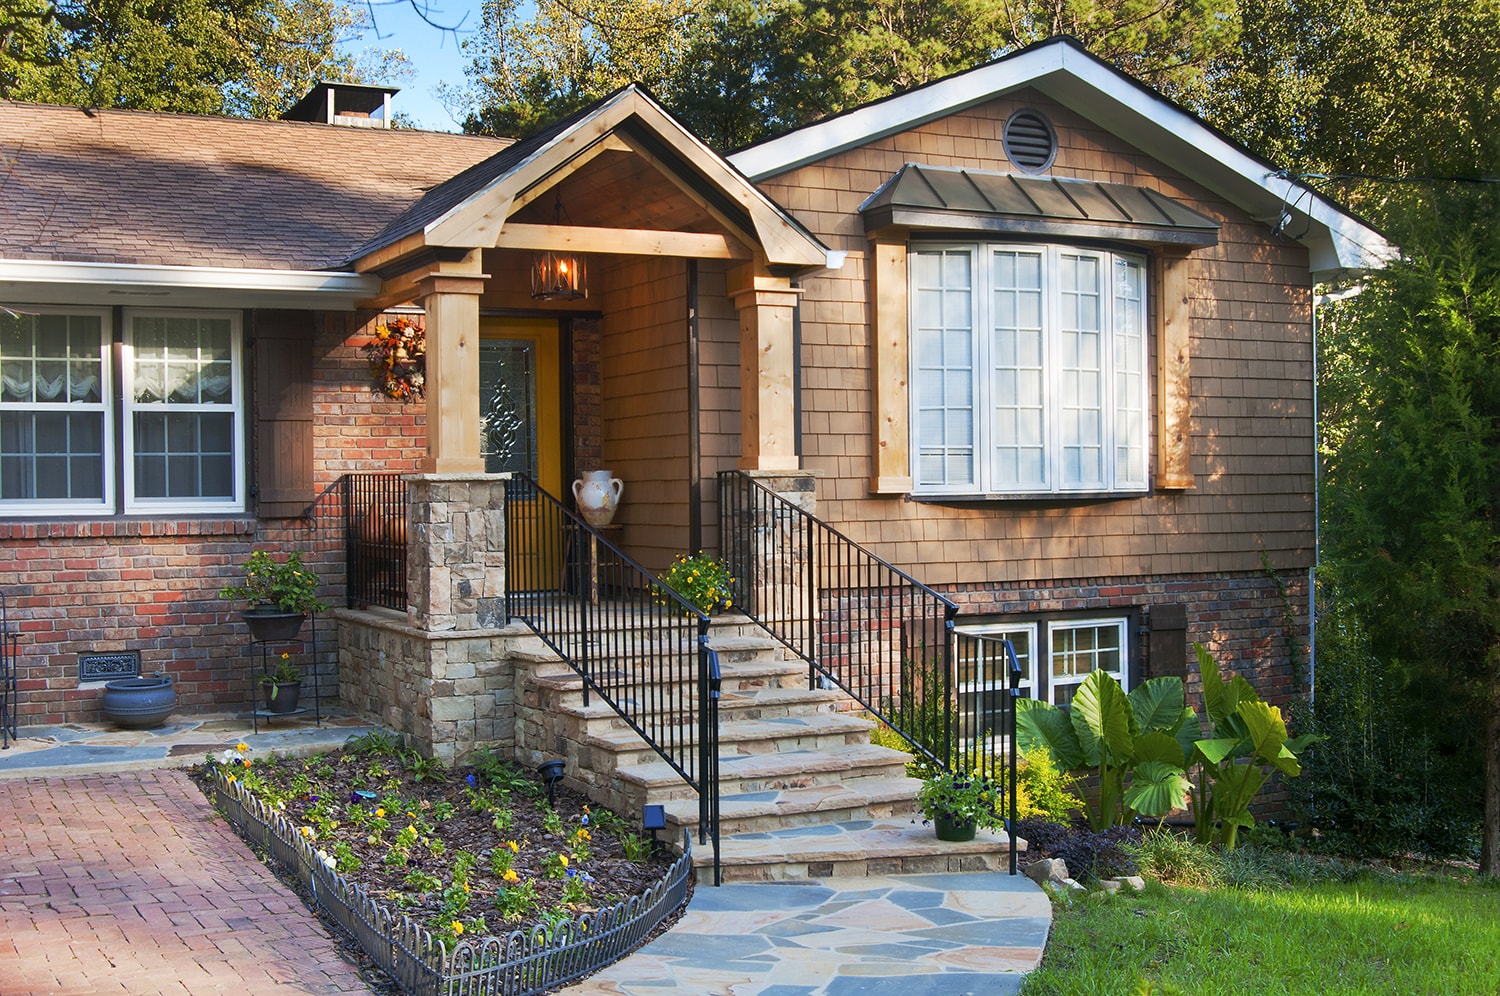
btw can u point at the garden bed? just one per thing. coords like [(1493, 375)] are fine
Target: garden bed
[(454, 881)]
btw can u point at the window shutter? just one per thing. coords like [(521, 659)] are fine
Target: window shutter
[(283, 413)]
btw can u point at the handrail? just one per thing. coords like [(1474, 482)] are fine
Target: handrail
[(865, 625), (870, 628), (638, 646)]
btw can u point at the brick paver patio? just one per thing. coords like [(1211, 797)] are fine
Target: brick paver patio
[(128, 883)]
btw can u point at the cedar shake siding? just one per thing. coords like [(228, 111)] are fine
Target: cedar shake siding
[(1251, 408)]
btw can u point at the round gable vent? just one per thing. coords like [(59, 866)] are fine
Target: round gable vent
[(1029, 141)]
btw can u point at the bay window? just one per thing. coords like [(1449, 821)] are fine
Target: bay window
[(1028, 370)]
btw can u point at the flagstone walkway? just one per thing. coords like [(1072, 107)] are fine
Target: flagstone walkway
[(114, 880)]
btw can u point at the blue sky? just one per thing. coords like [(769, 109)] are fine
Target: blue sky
[(435, 55)]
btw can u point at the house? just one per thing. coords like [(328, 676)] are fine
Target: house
[(1031, 334)]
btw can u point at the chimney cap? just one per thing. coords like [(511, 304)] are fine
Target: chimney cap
[(327, 101)]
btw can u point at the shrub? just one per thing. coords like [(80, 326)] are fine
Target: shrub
[(1172, 858), (1043, 789), (1088, 853), (1378, 783)]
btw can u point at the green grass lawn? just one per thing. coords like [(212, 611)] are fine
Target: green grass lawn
[(1373, 933)]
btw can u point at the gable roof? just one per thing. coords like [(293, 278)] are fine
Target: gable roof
[(138, 188), (472, 208), (1338, 242)]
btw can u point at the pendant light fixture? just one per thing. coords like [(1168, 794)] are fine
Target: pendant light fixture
[(558, 276)]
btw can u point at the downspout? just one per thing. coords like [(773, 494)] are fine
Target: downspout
[(1319, 300), (695, 441)]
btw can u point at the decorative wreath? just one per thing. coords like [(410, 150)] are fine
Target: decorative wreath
[(398, 358)]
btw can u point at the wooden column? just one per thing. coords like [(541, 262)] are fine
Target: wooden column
[(1174, 438), (768, 428), (450, 295)]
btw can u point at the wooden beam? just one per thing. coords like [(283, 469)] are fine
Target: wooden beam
[(629, 241), (750, 238), (1174, 451), (407, 287), (381, 258), (889, 332)]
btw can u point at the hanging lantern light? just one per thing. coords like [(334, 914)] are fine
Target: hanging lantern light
[(558, 276)]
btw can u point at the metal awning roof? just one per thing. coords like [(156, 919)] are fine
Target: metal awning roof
[(969, 200)]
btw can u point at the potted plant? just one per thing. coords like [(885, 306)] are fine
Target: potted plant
[(958, 802), (283, 685), (280, 595), (702, 581)]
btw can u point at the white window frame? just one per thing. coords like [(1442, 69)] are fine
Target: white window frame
[(234, 502), (76, 507), (1056, 626), (1122, 385), (1040, 634)]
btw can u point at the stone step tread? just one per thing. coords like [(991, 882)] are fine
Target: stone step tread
[(849, 842), (742, 731), (743, 767), (729, 702), (566, 679), (807, 799)]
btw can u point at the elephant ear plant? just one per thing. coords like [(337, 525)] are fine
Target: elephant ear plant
[(1144, 747), (1249, 740), (1114, 735)]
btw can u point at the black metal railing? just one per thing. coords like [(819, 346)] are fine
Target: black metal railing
[(863, 625), (10, 652), (375, 539), (639, 647), (986, 684)]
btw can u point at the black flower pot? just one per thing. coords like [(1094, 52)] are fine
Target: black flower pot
[(273, 625), (282, 696)]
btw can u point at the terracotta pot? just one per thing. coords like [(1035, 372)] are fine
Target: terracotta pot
[(598, 496)]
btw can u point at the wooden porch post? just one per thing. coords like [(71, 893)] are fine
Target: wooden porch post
[(768, 429), (450, 295)]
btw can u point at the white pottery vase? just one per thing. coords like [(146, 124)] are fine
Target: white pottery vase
[(598, 496)]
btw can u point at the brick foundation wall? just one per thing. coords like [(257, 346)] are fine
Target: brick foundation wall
[(1239, 618)]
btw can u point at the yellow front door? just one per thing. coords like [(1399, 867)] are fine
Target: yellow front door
[(520, 401)]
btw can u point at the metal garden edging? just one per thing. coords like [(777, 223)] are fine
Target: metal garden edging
[(522, 963)]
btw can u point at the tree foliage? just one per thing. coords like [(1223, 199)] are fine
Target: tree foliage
[(245, 57), (1414, 488), (739, 70), (1354, 90)]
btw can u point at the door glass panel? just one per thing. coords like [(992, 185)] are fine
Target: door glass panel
[(508, 385)]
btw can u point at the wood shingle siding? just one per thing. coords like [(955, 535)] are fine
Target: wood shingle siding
[(1249, 415)]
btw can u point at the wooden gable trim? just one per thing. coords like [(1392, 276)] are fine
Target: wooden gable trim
[(632, 120)]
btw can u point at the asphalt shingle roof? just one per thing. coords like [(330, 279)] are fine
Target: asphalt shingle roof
[(132, 187)]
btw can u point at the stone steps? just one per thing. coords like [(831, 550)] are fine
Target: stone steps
[(859, 848), (803, 793)]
